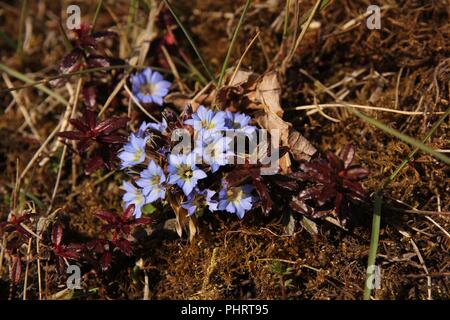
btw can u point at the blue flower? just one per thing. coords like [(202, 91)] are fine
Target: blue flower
[(237, 200), (160, 127), (206, 121), (183, 172), (133, 152), (134, 196), (149, 86), (215, 153), (239, 121), (198, 200), (152, 180)]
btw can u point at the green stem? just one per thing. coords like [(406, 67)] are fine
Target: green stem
[(24, 78), (286, 18), (233, 40), (97, 11), (378, 199), (23, 15), (186, 33), (401, 136)]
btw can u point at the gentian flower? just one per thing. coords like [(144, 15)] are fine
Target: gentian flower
[(149, 86), (151, 182), (200, 199), (183, 172), (133, 152), (160, 127), (237, 200), (206, 121), (134, 196), (239, 121), (215, 153)]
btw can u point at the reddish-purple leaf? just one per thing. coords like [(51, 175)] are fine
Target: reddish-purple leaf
[(94, 164), (129, 211), (105, 260), (356, 173), (124, 246), (89, 119), (110, 125), (285, 182), (97, 62), (141, 221), (301, 207), (84, 144), (68, 253), (113, 139), (263, 192), (57, 234), (71, 62), (107, 216), (79, 125), (347, 154), (89, 97)]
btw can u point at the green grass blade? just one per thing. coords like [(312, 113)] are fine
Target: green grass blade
[(286, 18), (378, 200), (323, 5), (23, 15), (186, 33), (24, 78), (97, 11), (131, 16), (233, 40), (403, 137)]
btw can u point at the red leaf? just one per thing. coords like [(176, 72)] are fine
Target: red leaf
[(107, 216), (97, 62), (105, 260), (141, 221), (94, 164), (89, 98), (300, 207), (129, 211), (356, 173), (124, 246), (84, 144), (347, 154), (263, 192), (57, 234), (89, 118), (113, 139), (110, 125), (68, 252), (71, 62), (79, 125)]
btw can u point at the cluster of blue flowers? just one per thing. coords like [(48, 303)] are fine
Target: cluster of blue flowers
[(183, 171)]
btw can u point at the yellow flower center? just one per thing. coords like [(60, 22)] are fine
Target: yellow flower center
[(147, 89), (234, 195), (137, 155)]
